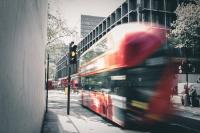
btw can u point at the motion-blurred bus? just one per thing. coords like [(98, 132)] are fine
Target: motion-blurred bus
[(127, 77), (75, 83), (62, 83), (50, 84)]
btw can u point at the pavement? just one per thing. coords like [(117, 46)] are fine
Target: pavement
[(186, 111), (186, 116), (81, 120), (56, 119)]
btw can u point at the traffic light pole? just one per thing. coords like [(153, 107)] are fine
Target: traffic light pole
[(69, 77), (68, 92), (71, 60)]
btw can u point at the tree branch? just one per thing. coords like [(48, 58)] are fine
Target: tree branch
[(58, 38)]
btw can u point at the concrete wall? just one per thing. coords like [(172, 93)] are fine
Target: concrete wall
[(22, 44)]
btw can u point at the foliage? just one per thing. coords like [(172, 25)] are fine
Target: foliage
[(57, 29), (185, 35), (185, 30), (57, 32)]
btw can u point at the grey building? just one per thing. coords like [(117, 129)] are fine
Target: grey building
[(23, 34), (153, 11), (88, 23), (61, 67)]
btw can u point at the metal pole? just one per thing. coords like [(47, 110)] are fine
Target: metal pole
[(69, 78), (187, 67), (47, 78), (68, 92)]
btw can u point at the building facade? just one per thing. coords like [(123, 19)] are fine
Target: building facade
[(88, 23), (152, 11), (23, 36)]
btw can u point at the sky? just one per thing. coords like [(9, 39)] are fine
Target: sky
[(71, 10)]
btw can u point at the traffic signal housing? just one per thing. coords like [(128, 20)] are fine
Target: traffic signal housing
[(73, 54)]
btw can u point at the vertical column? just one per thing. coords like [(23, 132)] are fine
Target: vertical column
[(139, 13)]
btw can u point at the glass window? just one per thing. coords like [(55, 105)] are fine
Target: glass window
[(158, 18), (146, 16), (146, 4), (171, 5), (97, 50), (158, 4)]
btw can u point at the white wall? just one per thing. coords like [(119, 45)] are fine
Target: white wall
[(22, 44), (192, 78)]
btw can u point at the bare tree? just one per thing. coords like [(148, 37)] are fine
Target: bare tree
[(57, 29), (57, 32)]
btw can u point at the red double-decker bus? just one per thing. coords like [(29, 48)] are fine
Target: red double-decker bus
[(127, 76)]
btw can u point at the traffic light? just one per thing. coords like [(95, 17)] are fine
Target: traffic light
[(184, 67), (187, 67), (72, 54)]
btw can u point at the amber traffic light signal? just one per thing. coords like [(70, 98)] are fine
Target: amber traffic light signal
[(72, 53)]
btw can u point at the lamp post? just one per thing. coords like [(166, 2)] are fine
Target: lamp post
[(47, 78)]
